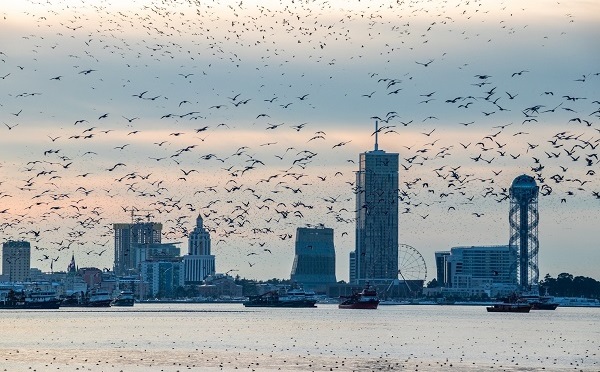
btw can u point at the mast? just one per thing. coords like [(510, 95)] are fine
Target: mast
[(376, 135)]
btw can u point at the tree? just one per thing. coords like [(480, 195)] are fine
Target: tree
[(565, 285), (433, 283)]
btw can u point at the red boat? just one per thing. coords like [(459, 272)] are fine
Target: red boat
[(365, 299)]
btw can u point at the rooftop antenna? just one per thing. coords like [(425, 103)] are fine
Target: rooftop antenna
[(376, 135)]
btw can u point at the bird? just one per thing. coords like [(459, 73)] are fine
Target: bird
[(130, 120), (115, 167), (368, 95), (424, 63)]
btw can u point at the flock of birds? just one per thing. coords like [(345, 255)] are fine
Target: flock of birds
[(254, 115)]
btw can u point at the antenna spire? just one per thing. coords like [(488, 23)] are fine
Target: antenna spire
[(376, 135)]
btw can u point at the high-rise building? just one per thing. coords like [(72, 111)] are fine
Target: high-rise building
[(199, 263), (314, 261), (127, 235), (524, 219), (376, 246), (16, 259), (162, 276)]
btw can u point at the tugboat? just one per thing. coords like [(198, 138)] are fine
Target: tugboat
[(365, 299), (125, 298), (292, 298)]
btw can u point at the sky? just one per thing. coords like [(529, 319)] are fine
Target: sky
[(253, 113)]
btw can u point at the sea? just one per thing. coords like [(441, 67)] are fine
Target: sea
[(229, 337)]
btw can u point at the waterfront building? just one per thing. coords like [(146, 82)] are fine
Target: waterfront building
[(126, 236), (16, 260), (199, 262), (314, 260), (376, 244), (478, 269), (220, 286), (162, 277), (524, 220)]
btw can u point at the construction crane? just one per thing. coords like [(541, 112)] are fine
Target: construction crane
[(136, 217)]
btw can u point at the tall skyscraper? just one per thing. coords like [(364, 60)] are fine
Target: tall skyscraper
[(523, 219), (199, 263), (376, 246), (16, 260), (314, 262), (127, 235)]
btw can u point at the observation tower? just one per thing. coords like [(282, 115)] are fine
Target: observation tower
[(524, 219)]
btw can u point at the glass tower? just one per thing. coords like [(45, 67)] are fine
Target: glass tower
[(376, 245), (314, 262)]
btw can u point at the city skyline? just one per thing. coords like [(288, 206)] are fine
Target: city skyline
[(254, 115)]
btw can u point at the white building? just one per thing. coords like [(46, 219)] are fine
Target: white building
[(478, 269), (199, 263)]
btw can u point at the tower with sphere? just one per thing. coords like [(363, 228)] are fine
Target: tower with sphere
[(523, 221)]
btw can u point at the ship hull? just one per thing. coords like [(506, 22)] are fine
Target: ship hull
[(99, 303), (281, 304), (544, 306), (123, 302), (370, 305), (45, 305), (509, 308)]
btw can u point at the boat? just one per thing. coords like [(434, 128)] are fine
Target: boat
[(292, 298), (93, 298), (32, 299), (365, 299), (538, 302), (98, 298), (577, 302), (509, 307), (125, 298), (72, 300)]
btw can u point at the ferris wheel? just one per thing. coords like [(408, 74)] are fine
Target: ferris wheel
[(411, 265)]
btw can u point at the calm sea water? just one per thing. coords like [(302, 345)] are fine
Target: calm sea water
[(209, 337)]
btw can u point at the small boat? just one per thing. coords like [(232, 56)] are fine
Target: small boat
[(125, 298), (292, 298), (365, 299)]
